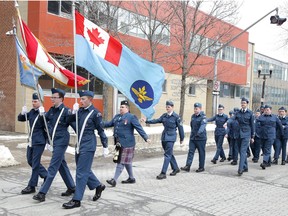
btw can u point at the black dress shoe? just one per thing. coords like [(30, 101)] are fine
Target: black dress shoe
[(263, 165), (98, 192), (174, 172), (68, 192), (222, 159), (28, 190), (229, 158), (129, 181), (112, 182), (161, 176), (39, 197), (240, 173), (72, 204), (185, 168), (275, 162), (200, 170), (283, 163), (234, 163), (213, 161), (245, 170)]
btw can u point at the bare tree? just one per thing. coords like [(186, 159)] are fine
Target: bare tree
[(191, 29)]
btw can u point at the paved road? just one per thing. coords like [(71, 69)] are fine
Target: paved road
[(217, 191)]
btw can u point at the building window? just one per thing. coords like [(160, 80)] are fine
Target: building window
[(61, 8), (192, 89), (240, 57), (228, 53), (198, 44)]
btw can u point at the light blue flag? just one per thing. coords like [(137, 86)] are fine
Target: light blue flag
[(138, 79), (26, 69)]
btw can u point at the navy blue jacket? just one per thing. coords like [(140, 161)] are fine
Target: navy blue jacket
[(269, 123), (170, 123), (39, 134), (62, 135), (124, 126), (198, 127), (284, 121), (220, 120), (246, 123), (88, 141), (233, 129)]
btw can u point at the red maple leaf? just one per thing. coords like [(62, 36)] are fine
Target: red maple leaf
[(94, 37)]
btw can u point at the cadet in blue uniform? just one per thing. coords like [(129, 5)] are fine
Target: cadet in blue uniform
[(171, 121), (220, 132), (281, 139), (57, 119), (245, 119), (89, 119), (256, 146), (198, 138), (36, 143), (230, 153), (233, 131), (268, 122), (124, 125)]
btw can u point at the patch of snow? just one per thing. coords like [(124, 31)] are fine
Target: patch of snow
[(6, 158)]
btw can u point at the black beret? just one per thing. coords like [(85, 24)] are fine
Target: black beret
[(231, 112), (236, 109), (35, 96), (124, 102), (282, 108)]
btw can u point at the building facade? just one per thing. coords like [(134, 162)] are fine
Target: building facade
[(51, 22)]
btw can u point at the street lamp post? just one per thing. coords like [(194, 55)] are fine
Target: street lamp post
[(274, 20), (260, 72)]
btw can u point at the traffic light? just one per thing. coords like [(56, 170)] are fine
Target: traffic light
[(277, 20)]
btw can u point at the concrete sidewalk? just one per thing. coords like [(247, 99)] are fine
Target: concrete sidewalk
[(217, 191)]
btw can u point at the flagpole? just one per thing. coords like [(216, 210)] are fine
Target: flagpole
[(36, 84), (75, 73)]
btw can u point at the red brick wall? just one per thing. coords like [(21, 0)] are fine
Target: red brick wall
[(7, 67)]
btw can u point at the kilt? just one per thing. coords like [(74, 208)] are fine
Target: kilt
[(127, 155)]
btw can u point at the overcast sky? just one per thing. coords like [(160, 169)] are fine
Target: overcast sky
[(268, 38)]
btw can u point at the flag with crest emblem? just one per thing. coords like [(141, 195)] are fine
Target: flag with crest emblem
[(106, 58)]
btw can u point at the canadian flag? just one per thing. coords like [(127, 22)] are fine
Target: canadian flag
[(102, 44), (38, 55)]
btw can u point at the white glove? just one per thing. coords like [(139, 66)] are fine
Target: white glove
[(75, 108), (105, 152), (49, 147), (41, 110), (24, 110)]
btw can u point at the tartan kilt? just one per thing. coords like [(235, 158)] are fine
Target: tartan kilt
[(127, 155)]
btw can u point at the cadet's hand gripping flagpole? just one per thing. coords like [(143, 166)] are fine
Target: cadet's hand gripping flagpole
[(36, 84), (75, 74)]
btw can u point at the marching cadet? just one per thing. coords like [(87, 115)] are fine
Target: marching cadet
[(281, 139), (230, 153), (171, 122), (233, 132), (198, 138), (268, 122), (57, 119), (256, 145), (89, 119), (124, 124), (36, 143), (219, 134), (245, 119)]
